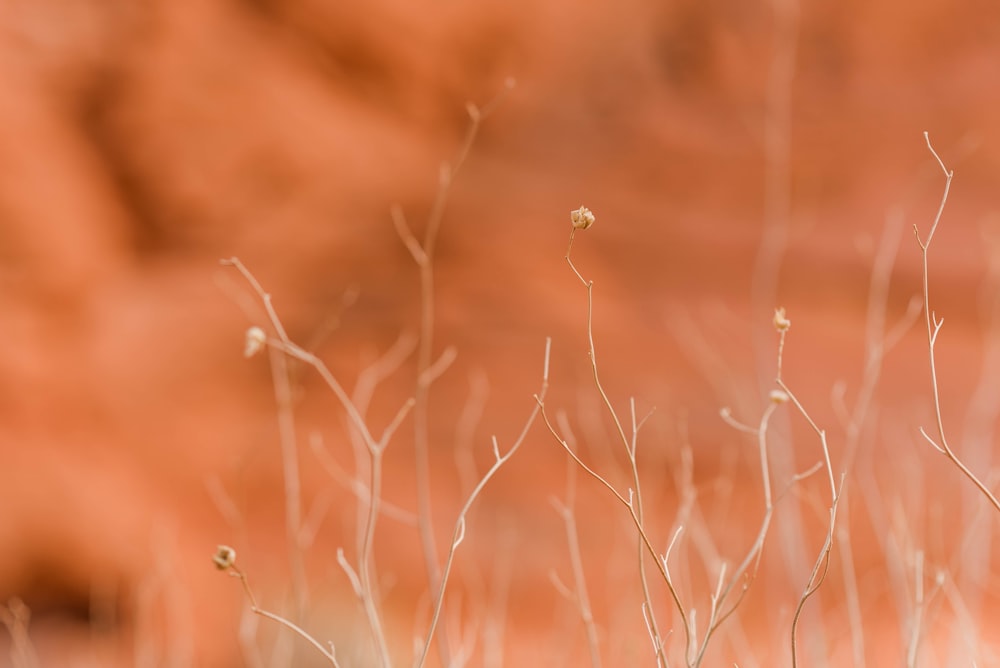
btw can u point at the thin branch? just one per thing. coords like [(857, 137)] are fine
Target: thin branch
[(629, 445), (822, 564), (329, 655), (627, 502), (458, 534), (357, 487), (933, 329), (282, 346), (423, 255), (290, 470), (579, 595)]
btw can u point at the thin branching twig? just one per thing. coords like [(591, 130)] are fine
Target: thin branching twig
[(423, 255), (361, 580), (232, 569), (933, 329), (725, 598), (458, 534), (579, 595)]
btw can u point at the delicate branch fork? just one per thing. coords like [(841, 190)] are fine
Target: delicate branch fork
[(458, 534), (428, 370), (422, 252), (720, 605), (225, 560), (360, 578), (822, 564), (933, 329)]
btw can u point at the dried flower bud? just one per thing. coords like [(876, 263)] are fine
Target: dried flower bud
[(778, 397), (781, 323), (255, 340), (224, 557), (582, 218)]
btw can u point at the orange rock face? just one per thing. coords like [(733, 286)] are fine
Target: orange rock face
[(737, 157)]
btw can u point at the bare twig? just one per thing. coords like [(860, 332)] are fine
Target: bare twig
[(822, 564), (358, 488), (933, 329), (225, 559), (579, 595), (423, 256), (878, 342), (281, 380), (723, 602), (635, 497), (376, 448), (921, 600), (458, 534), (746, 571)]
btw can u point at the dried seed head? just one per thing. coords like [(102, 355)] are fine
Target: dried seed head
[(224, 557), (781, 323), (779, 397), (582, 218), (255, 340)]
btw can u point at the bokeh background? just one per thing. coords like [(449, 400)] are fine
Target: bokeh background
[(738, 156)]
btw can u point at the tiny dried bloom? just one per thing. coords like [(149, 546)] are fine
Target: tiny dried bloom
[(779, 397), (781, 323), (255, 340), (224, 557), (581, 218)]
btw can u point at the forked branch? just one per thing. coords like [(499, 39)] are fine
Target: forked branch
[(934, 325)]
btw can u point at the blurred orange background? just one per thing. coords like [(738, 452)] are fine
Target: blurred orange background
[(737, 156)]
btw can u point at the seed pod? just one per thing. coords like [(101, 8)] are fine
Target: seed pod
[(581, 218), (255, 340)]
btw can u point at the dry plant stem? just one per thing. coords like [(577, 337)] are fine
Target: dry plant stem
[(289, 450), (747, 569), (745, 572), (777, 140), (579, 595), (630, 447), (651, 623), (911, 648), (851, 595), (364, 588), (465, 426), (290, 470), (967, 621), (822, 564), (878, 342), (423, 255), (356, 487), (933, 328), (458, 534), (356, 420), (365, 560), (288, 624), (361, 398), (629, 505)]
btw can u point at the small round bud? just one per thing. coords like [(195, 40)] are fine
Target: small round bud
[(224, 557), (255, 340), (582, 218), (781, 323), (778, 397)]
